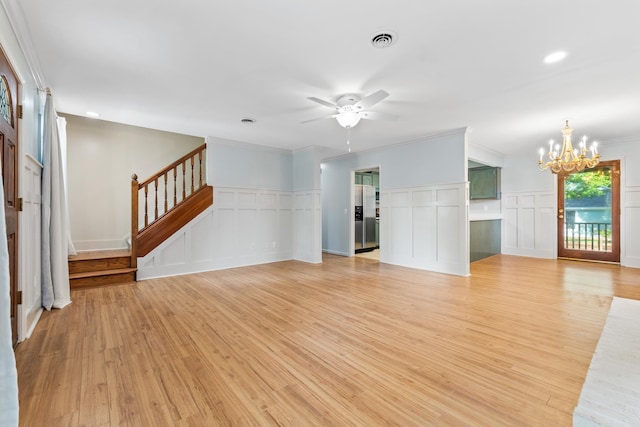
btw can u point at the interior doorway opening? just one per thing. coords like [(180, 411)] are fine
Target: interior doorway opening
[(366, 218)]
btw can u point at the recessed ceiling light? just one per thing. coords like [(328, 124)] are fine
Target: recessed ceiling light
[(92, 114), (555, 57)]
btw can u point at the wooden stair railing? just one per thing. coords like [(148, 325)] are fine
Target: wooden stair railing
[(177, 194)]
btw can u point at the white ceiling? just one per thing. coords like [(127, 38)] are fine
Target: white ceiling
[(197, 67)]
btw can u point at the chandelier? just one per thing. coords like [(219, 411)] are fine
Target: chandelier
[(568, 159)]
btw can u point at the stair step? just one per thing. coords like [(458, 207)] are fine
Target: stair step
[(99, 260), (98, 268), (103, 277)]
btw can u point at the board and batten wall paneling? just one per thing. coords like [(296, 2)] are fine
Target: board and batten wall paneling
[(243, 227), (425, 228), (529, 224), (30, 240), (307, 226), (630, 246)]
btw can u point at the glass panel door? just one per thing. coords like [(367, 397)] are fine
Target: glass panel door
[(588, 213)]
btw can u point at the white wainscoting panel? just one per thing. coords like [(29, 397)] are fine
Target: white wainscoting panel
[(307, 226), (30, 240), (243, 227), (529, 226), (630, 228), (426, 228)]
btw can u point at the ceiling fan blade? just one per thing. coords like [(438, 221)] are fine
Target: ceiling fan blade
[(323, 102), (370, 115), (330, 116), (371, 100)]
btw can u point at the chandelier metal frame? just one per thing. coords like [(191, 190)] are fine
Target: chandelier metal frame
[(567, 159)]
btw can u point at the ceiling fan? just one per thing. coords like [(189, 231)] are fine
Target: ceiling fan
[(349, 109)]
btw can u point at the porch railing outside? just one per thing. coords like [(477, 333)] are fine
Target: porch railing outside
[(588, 236)]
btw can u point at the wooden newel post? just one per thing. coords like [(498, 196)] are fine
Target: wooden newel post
[(134, 220)]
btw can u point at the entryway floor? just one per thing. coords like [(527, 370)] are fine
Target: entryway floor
[(374, 254)]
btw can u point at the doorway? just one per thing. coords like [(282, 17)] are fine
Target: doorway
[(366, 218), (589, 213), (9, 153)]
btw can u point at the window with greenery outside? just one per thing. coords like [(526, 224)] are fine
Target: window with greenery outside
[(588, 193)]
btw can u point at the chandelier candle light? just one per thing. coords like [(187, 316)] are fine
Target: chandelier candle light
[(569, 159)]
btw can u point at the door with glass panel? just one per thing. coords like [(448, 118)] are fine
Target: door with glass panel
[(9, 165), (589, 213)]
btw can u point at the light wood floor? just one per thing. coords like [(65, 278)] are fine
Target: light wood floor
[(346, 342)]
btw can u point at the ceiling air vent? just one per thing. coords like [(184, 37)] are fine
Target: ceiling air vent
[(383, 39), (247, 120)]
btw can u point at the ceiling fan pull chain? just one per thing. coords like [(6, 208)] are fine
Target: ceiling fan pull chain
[(349, 138)]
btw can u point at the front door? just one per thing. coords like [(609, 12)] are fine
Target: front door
[(9, 151), (589, 213)]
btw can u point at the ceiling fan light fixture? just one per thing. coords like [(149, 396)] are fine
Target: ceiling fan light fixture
[(348, 119)]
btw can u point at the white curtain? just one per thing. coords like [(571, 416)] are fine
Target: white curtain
[(55, 216), (8, 374), (62, 134)]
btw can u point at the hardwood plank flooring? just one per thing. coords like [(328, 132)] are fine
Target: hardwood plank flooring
[(346, 342)]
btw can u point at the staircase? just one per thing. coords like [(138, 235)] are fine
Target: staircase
[(98, 268), (165, 202), (160, 206)]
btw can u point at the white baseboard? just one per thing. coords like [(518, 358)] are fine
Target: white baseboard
[(327, 251), (33, 322)]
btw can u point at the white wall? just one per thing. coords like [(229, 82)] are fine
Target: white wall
[(240, 165), (101, 157), (307, 225), (243, 227), (409, 169), (266, 208), (485, 156), (530, 204), (426, 227), (628, 152), (253, 167)]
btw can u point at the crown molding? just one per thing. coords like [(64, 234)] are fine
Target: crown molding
[(619, 141), (16, 18)]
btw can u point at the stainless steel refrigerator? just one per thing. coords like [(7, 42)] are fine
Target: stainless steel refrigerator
[(365, 218)]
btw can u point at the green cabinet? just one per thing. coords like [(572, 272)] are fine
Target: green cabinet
[(368, 178), (484, 239), (484, 183)]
